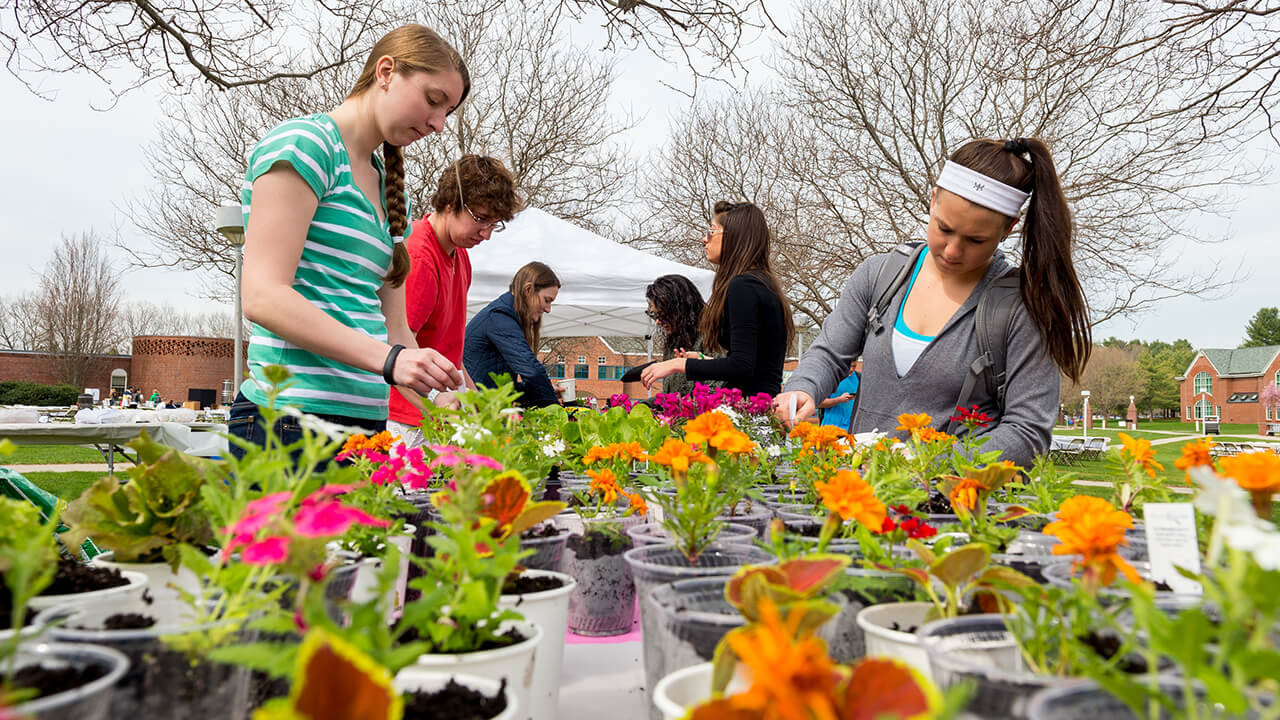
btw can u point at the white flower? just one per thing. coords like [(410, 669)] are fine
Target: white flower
[(553, 448), (469, 433), (1239, 525), (773, 450), (734, 416)]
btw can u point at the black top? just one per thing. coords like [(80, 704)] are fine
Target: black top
[(755, 334)]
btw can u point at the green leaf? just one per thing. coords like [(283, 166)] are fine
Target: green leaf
[(275, 659), (723, 662), (961, 564)]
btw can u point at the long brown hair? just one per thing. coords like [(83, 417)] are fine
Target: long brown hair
[(541, 277), (744, 250), (1051, 291), (415, 48)]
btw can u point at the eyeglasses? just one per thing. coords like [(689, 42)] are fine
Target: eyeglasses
[(494, 225)]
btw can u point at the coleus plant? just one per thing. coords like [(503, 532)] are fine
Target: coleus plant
[(334, 680), (795, 587), (964, 574)]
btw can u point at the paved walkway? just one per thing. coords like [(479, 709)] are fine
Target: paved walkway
[(64, 467)]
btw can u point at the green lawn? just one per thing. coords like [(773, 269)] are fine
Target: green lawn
[(53, 454), (68, 485)]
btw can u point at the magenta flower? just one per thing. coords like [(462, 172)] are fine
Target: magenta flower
[(267, 551), (328, 519), (328, 492), (483, 461), (258, 513)]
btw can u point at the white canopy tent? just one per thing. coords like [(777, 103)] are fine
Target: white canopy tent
[(602, 281)]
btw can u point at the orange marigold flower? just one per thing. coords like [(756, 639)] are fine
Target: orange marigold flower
[(913, 422), (637, 503), (677, 455), (792, 678), (929, 435), (1195, 454), (827, 437), (1140, 453), (626, 451), (733, 441), (1258, 473), (850, 497), (1091, 528), (604, 483), (381, 442), (705, 427), (802, 430), (354, 443), (964, 495)]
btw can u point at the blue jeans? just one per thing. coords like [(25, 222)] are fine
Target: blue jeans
[(245, 421)]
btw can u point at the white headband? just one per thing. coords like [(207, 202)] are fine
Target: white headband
[(978, 188)]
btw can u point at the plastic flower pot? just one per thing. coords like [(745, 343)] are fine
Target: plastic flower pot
[(1086, 699), (129, 594), (161, 681), (604, 600), (656, 565), (514, 663), (162, 582), (416, 679), (806, 531), (690, 617), (681, 690), (757, 517), (366, 579), (654, 534), (1060, 574), (548, 550), (91, 701), (846, 638), (889, 631), (979, 649), (800, 512), (549, 610), (420, 519)]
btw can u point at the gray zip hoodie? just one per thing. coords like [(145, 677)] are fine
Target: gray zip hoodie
[(933, 383)]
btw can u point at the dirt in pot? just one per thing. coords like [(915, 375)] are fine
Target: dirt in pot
[(598, 544), (1107, 646), (937, 504), (53, 680), (128, 621), (74, 577), (6, 607), (525, 584), (454, 702), (545, 530)]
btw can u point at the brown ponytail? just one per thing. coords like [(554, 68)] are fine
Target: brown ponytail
[(1051, 290), (393, 161)]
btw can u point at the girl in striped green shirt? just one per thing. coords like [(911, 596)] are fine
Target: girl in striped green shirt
[(324, 262)]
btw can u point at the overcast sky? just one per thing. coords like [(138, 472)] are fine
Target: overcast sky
[(74, 169)]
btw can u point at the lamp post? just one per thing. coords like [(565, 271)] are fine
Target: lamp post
[(229, 220), (1088, 417)]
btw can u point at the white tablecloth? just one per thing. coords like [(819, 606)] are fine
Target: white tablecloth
[(195, 438), (603, 681)]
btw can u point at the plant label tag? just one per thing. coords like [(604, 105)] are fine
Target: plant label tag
[(1171, 543)]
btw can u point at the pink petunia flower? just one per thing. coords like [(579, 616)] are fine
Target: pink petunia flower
[(259, 513), (328, 492), (483, 461), (267, 551), (329, 519)]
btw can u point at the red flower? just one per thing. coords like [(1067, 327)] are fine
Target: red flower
[(972, 417), (888, 526)]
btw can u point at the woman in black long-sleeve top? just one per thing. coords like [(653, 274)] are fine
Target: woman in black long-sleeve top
[(747, 316)]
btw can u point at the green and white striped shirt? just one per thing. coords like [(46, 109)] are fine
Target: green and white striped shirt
[(346, 256)]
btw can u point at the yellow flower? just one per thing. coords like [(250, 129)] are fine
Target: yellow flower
[(677, 455), (1258, 473), (1092, 529), (850, 497), (604, 483), (1140, 453), (913, 422), (1195, 454)]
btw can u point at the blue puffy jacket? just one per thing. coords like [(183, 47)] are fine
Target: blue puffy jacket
[(496, 344)]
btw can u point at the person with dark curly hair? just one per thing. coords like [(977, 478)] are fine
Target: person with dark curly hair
[(676, 305), (474, 198)]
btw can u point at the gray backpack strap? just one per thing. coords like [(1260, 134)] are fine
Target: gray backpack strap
[(902, 260), (993, 321)]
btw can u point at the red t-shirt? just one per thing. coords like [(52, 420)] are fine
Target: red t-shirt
[(435, 298)]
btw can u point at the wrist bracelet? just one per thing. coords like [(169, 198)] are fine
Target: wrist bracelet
[(388, 367)]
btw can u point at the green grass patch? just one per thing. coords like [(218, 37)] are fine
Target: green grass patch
[(68, 485), (53, 455)]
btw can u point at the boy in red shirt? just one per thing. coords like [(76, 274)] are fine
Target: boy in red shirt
[(473, 199)]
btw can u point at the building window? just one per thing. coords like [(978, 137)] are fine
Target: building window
[(555, 371), (582, 359), (1188, 411), (559, 358), (119, 379), (1203, 409), (1278, 378), (1203, 383), (599, 359), (582, 371), (610, 372)]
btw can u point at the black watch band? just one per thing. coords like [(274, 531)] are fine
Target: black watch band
[(389, 367)]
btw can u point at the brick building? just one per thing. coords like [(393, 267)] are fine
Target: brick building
[(174, 365), (1227, 384)]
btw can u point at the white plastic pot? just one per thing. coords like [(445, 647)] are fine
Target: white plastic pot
[(681, 690), (877, 624), (130, 594), (159, 577), (366, 582), (549, 610), (514, 662)]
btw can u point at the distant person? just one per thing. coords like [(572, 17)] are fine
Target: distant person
[(502, 338), (747, 316), (474, 197), (919, 355), (837, 410), (675, 305), (324, 265), (155, 396)]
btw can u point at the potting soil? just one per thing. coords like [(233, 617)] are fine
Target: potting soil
[(454, 702), (524, 584), (53, 680), (74, 577)]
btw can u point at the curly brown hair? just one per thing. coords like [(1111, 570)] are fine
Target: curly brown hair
[(486, 183)]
